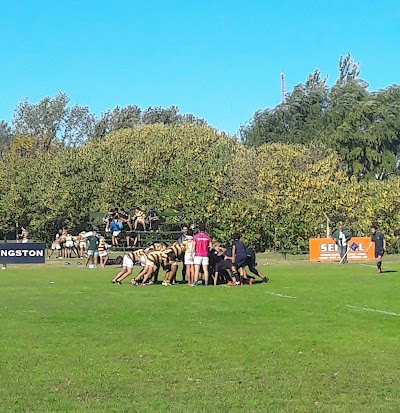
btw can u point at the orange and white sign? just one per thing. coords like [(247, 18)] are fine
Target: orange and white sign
[(325, 249)]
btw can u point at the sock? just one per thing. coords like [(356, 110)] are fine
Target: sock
[(205, 282), (379, 265), (241, 280)]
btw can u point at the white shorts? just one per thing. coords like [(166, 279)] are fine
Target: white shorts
[(143, 260), (103, 254), (150, 264), (82, 245), (55, 246), (69, 244), (127, 262), (188, 258), (201, 260), (24, 241), (116, 233)]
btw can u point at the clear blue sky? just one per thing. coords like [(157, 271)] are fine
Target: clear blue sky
[(220, 60)]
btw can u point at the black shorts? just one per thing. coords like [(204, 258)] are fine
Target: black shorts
[(379, 253), (241, 261)]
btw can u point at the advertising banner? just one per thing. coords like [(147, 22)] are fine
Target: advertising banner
[(22, 253), (325, 249)]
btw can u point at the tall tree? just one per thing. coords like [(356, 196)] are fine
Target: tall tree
[(348, 69), (53, 121), (118, 118), (5, 134), (368, 139), (299, 120)]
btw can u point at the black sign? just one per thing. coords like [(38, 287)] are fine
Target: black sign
[(22, 253)]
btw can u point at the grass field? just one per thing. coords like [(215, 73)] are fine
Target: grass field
[(81, 344)]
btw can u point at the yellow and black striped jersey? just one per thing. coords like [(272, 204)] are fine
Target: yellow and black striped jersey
[(157, 256), (102, 245), (138, 254), (177, 249)]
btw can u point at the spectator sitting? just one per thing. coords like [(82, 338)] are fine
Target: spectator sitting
[(153, 218), (108, 217), (125, 218), (115, 227), (140, 219)]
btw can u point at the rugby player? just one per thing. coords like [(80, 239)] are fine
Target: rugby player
[(252, 264)]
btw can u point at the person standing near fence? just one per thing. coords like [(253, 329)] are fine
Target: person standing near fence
[(342, 238)]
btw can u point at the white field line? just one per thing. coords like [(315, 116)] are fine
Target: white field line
[(280, 295), (373, 310)]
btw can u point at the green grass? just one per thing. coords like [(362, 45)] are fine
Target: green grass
[(85, 345)]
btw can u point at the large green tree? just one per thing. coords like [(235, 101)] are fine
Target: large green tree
[(52, 121)]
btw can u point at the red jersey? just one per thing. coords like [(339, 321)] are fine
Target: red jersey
[(202, 241)]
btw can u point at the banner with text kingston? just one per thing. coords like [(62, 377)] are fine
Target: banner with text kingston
[(20, 253)]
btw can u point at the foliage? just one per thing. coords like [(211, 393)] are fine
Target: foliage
[(130, 116), (53, 121), (277, 195), (5, 134), (363, 127)]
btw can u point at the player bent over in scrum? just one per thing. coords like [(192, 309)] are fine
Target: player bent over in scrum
[(153, 263), (223, 261), (252, 264), (239, 259), (178, 251), (127, 268), (136, 256)]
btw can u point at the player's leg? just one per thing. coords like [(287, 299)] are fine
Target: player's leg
[(252, 264), (120, 276), (171, 274), (378, 259), (105, 259), (141, 274), (88, 257), (197, 264), (150, 270), (235, 275), (205, 263)]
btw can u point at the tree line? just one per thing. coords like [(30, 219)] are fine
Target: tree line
[(276, 194)]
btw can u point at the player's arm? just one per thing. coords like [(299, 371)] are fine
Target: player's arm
[(233, 254), (384, 244)]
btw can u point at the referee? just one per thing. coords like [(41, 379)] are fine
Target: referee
[(380, 246)]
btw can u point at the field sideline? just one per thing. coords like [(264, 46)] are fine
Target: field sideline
[(317, 338)]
